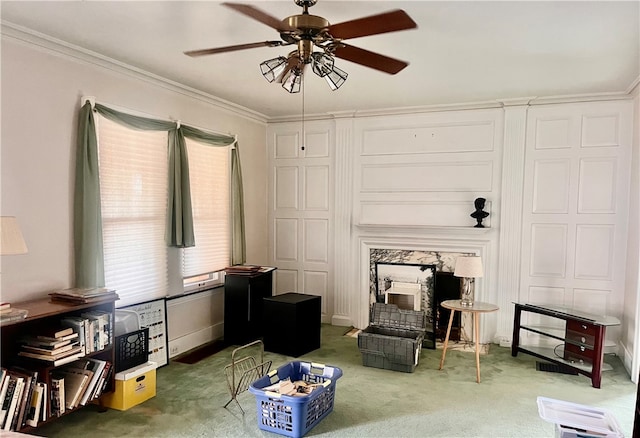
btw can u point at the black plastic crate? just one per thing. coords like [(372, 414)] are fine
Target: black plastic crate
[(394, 339), (132, 349)]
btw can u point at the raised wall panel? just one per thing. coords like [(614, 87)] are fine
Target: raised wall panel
[(317, 283), (553, 133), (286, 187), (451, 214), (545, 295), (426, 177), (594, 252), (287, 145), (446, 137), (316, 188), (600, 130), (548, 250), (286, 239), (597, 185), (591, 301), (551, 183), (286, 281), (316, 144), (316, 240)]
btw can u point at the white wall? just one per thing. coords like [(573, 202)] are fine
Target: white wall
[(41, 92), (631, 331)]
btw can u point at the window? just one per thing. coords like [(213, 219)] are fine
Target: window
[(133, 191), (209, 169), (133, 185)]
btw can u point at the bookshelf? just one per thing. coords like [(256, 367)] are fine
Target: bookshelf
[(42, 315)]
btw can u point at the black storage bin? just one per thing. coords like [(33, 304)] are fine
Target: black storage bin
[(393, 340)]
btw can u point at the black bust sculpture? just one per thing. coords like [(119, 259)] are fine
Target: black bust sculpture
[(479, 214)]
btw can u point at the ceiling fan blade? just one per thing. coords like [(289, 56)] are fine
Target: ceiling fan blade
[(234, 48), (259, 15), (391, 21), (369, 59)]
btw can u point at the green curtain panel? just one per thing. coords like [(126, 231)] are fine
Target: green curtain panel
[(87, 215), (179, 228)]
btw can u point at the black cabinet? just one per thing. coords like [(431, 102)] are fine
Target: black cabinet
[(292, 323), (243, 297)]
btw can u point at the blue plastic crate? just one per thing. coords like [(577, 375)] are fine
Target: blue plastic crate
[(295, 416)]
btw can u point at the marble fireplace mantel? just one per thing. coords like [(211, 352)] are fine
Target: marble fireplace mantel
[(422, 245)]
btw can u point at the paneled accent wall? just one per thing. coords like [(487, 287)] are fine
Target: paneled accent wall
[(577, 173), (427, 169), (301, 209)]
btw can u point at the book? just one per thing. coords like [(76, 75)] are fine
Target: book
[(5, 306), (55, 332), (80, 300), (79, 325), (75, 382), (13, 406), (105, 378), (57, 396), (44, 410), (53, 360), (47, 351), (42, 343), (33, 415), (7, 397), (50, 357)]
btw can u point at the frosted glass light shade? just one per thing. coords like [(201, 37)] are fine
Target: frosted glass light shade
[(292, 80), (336, 78), (468, 266), (12, 241), (272, 68)]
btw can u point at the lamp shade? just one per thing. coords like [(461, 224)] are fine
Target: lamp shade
[(468, 266), (12, 241)]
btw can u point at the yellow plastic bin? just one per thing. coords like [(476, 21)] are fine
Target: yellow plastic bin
[(133, 386)]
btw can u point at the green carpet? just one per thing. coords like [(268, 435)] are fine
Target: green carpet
[(369, 402)]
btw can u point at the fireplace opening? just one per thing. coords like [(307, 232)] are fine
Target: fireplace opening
[(447, 287)]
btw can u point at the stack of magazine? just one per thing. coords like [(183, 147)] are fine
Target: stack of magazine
[(83, 295), (9, 314)]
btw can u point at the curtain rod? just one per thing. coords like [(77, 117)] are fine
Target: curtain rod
[(92, 100)]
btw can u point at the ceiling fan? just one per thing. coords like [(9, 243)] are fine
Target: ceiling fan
[(309, 32)]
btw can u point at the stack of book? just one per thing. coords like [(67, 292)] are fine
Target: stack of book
[(243, 269), (9, 314), (83, 295), (56, 346)]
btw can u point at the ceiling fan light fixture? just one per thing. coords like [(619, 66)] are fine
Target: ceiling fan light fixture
[(336, 78), (292, 80), (273, 68), (321, 64)]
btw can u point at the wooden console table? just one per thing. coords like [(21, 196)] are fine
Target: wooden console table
[(582, 338)]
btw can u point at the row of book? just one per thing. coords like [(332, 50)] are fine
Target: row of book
[(17, 392), (25, 401), (75, 337), (78, 383)]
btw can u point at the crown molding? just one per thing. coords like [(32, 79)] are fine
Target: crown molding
[(59, 47)]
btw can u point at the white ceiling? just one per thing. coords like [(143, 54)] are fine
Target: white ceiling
[(462, 52)]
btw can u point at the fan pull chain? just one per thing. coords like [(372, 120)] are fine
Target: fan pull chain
[(303, 134)]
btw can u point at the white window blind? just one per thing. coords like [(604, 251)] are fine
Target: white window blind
[(133, 188), (209, 173)]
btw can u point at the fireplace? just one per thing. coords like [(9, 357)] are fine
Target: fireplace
[(447, 288), (439, 247)]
